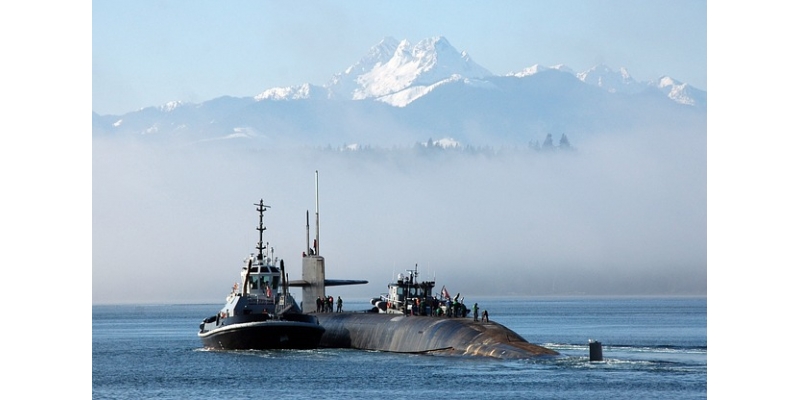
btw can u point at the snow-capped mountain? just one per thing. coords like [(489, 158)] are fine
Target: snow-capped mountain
[(394, 72), (430, 89), (536, 68), (426, 63), (621, 81), (304, 91), (614, 81), (681, 92)]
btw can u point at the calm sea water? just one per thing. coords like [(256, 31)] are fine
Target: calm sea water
[(653, 348)]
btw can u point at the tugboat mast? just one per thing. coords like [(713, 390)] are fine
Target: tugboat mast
[(260, 207)]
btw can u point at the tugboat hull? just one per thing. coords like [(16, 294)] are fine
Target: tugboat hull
[(265, 335)]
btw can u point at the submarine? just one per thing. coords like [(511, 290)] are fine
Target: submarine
[(395, 325)]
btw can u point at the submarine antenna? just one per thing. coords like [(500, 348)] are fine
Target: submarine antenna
[(308, 245), (316, 239), (260, 207)]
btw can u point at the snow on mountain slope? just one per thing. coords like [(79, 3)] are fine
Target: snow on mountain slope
[(680, 92), (304, 91), (619, 81), (407, 96), (344, 84), (392, 67)]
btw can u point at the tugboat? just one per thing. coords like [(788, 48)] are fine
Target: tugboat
[(407, 295), (259, 313)]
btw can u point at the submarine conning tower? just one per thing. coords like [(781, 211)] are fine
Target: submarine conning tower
[(314, 274)]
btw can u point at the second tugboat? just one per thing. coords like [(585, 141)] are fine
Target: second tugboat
[(259, 313), (407, 295)]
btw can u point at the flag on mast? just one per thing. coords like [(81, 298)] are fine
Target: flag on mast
[(445, 294)]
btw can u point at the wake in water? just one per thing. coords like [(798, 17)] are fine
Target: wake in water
[(655, 358), (629, 348)]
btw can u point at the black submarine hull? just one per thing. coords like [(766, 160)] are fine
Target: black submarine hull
[(398, 333)]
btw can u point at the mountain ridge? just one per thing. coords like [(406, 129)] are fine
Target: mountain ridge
[(392, 59), (432, 79)]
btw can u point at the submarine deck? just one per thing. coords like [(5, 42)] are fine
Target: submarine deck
[(424, 334)]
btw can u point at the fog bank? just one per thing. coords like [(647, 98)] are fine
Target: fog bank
[(623, 214)]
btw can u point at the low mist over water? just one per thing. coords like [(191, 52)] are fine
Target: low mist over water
[(622, 214)]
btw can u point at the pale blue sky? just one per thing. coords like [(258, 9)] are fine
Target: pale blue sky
[(146, 52)]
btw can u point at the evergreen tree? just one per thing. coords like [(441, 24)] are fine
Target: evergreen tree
[(563, 144), (548, 143)]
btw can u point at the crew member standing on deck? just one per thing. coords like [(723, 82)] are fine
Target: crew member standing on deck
[(338, 303), (475, 312)]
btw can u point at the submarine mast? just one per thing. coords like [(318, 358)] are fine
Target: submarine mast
[(313, 264), (314, 281), (316, 191)]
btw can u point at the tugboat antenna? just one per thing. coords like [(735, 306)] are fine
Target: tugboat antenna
[(260, 247)]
